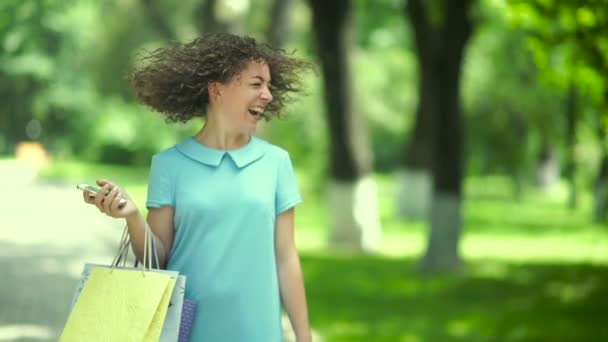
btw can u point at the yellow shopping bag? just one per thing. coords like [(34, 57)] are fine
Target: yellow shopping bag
[(120, 305)]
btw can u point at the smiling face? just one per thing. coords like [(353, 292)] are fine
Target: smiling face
[(241, 101)]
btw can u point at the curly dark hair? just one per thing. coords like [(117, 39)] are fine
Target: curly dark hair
[(174, 80)]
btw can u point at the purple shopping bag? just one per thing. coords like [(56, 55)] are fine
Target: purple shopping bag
[(187, 320)]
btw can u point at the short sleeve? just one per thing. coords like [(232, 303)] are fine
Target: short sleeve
[(160, 185), (287, 193)]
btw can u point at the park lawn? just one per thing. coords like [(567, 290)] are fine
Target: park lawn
[(535, 271)]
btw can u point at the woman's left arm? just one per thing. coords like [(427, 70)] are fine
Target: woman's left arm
[(291, 281)]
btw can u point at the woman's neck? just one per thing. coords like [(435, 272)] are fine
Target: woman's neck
[(214, 136)]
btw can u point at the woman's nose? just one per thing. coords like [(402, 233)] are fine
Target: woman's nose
[(266, 95)]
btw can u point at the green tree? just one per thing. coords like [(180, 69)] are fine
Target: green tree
[(30, 41), (570, 42), (510, 110)]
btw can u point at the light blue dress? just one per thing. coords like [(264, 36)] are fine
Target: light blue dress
[(226, 203)]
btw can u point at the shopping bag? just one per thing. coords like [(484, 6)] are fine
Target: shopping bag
[(177, 327), (172, 324), (120, 305), (171, 330), (187, 320), (114, 303)]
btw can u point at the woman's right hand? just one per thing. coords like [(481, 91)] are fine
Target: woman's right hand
[(108, 198)]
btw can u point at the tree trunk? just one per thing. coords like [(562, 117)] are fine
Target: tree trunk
[(279, 28), (18, 114), (416, 184), (441, 40), (601, 191), (208, 21), (158, 21), (571, 113), (547, 173), (518, 156), (601, 183), (415, 181), (355, 223)]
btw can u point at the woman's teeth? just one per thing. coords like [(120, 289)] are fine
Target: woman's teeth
[(257, 111)]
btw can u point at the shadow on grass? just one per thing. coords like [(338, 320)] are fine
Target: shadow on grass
[(380, 299)]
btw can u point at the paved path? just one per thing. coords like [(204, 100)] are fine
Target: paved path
[(46, 234)]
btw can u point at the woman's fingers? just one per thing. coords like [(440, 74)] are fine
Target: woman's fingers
[(111, 202), (105, 187), (109, 198), (101, 193), (102, 182), (115, 206), (101, 196), (86, 195)]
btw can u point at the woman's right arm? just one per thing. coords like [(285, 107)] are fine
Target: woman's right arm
[(160, 221)]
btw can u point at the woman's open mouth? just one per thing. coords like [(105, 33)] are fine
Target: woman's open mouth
[(258, 112)]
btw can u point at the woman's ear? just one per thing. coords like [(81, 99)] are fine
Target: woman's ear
[(213, 88)]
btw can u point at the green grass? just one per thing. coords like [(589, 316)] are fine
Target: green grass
[(536, 271), (385, 299)]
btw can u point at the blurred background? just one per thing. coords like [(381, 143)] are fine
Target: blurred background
[(452, 155)]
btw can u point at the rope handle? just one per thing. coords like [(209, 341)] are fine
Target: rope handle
[(120, 258)]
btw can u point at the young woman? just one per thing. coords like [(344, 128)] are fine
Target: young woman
[(221, 203)]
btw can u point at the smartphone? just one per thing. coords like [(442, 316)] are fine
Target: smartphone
[(93, 191)]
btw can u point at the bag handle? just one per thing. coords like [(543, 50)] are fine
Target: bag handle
[(123, 250), (149, 249), (120, 258)]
